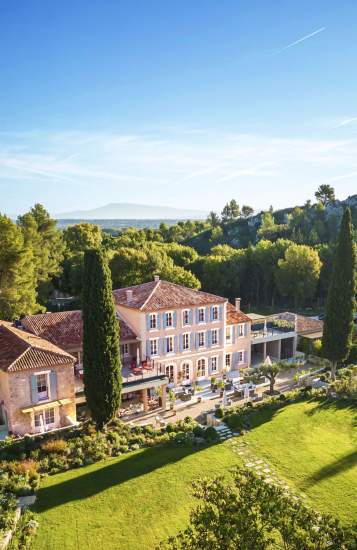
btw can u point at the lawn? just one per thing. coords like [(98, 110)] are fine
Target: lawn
[(314, 448), (126, 503), (136, 500)]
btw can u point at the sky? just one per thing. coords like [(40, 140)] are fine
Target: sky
[(181, 103)]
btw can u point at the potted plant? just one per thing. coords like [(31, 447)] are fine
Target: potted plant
[(172, 399), (213, 384), (198, 388), (221, 387)]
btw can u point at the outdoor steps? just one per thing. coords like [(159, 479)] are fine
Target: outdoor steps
[(223, 432)]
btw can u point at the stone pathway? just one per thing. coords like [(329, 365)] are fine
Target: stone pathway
[(260, 466)]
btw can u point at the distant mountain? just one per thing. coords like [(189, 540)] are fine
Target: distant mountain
[(129, 211)]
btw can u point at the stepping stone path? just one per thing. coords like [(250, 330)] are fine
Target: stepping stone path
[(261, 468)]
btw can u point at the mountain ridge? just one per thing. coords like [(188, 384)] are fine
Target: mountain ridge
[(132, 211)]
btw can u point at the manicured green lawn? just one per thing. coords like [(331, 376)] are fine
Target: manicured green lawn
[(135, 501), (314, 448), (128, 503)]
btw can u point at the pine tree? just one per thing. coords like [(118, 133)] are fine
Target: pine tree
[(101, 359), (340, 305), (17, 276)]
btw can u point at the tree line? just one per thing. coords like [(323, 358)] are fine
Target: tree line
[(275, 259)]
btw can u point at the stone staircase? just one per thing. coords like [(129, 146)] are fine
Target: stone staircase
[(223, 432)]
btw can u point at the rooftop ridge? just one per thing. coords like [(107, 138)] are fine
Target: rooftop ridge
[(157, 284)]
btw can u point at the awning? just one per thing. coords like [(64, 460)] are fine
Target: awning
[(45, 406)]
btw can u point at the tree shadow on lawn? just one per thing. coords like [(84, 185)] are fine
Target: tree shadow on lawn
[(341, 465), (104, 476), (325, 404)]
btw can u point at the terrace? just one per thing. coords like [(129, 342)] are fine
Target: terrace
[(273, 327)]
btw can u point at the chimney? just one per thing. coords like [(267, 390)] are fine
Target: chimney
[(238, 304), (129, 295), (156, 278)]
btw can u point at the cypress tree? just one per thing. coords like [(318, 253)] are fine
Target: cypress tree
[(340, 305), (101, 358)]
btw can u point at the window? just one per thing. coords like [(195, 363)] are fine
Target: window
[(240, 356), (201, 339), (214, 313), (201, 368), (153, 321), (169, 370), (38, 420), (201, 315), (185, 369), (49, 416), (185, 341), (125, 349), (44, 418), (153, 347), (186, 317), (240, 330), (214, 335), (229, 334), (228, 360), (42, 386), (214, 364), (169, 344), (168, 318)]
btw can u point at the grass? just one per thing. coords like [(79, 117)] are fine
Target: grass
[(131, 502), (139, 499), (313, 446)]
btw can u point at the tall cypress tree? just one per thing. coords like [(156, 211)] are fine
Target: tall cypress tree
[(338, 326), (101, 358)]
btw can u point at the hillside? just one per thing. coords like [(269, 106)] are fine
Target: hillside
[(242, 232)]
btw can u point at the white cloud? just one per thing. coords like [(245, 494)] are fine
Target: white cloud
[(78, 170)]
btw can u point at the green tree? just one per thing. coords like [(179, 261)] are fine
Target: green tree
[(101, 358), (247, 211), (213, 219), (81, 237), (42, 236), (340, 305), (231, 211), (270, 371), (17, 274), (131, 266), (325, 194), (298, 273), (248, 513)]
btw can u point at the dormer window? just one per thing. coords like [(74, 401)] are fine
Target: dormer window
[(153, 321), (168, 319)]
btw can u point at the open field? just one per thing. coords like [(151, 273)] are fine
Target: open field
[(136, 500)]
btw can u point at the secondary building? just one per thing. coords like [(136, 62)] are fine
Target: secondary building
[(36, 383)]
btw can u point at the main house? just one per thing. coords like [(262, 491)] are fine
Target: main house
[(37, 390), (170, 336)]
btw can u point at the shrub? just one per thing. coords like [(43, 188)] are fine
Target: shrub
[(234, 421), (211, 434), (198, 431), (219, 413), (55, 446)]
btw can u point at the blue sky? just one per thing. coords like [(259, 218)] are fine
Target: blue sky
[(180, 103)]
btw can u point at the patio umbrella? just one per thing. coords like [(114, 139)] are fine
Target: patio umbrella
[(138, 356), (268, 361)]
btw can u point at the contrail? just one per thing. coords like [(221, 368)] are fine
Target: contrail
[(306, 37)]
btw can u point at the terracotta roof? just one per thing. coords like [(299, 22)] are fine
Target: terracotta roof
[(306, 325), (65, 328), (21, 350), (233, 316), (157, 295)]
